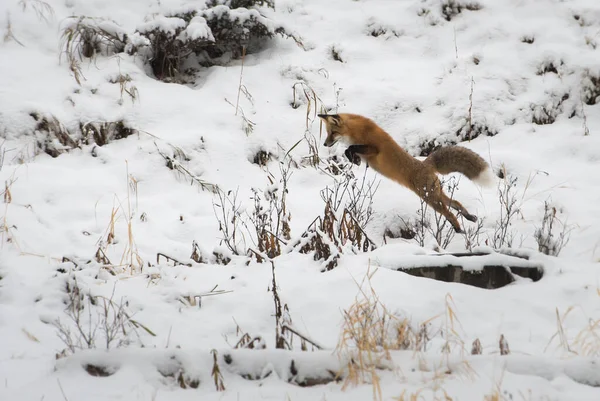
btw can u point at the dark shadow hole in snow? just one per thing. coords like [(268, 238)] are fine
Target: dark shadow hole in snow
[(488, 277), (99, 371), (262, 157)]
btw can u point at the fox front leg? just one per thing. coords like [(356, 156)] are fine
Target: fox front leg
[(353, 152), (353, 157)]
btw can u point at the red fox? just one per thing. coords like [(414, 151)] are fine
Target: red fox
[(371, 143)]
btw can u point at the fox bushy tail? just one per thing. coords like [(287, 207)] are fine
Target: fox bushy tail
[(457, 159)]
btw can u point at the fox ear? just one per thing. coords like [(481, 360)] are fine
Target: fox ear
[(334, 119)]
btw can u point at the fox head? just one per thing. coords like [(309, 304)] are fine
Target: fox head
[(333, 124)]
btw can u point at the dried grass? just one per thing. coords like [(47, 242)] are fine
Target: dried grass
[(130, 258), (43, 10), (369, 332), (314, 105), (587, 340)]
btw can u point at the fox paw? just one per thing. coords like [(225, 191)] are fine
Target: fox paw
[(470, 217), (353, 157)]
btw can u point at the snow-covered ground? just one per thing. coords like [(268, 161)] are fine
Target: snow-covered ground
[(505, 65)]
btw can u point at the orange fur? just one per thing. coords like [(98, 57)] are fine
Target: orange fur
[(382, 153)]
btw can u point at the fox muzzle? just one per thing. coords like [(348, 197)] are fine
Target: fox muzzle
[(329, 142)]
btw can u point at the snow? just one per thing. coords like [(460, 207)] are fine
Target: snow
[(197, 29), (168, 25), (417, 80)]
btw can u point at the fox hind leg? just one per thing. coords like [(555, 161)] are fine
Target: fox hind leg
[(436, 198), (456, 205), (438, 205)]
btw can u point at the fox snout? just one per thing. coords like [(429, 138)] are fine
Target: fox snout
[(332, 123), (329, 142)]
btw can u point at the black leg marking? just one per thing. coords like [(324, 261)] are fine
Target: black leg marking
[(352, 156)]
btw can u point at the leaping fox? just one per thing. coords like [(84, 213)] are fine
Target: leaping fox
[(371, 143)]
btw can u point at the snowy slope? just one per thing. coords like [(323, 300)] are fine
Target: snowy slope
[(402, 64)]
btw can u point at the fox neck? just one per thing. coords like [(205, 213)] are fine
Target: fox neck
[(347, 140)]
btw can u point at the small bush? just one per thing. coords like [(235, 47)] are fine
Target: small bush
[(102, 133), (173, 45), (503, 232), (54, 138), (471, 131), (225, 30), (590, 88), (262, 157), (86, 37), (95, 322), (348, 209), (550, 66), (548, 112), (451, 8), (377, 29), (549, 242), (336, 54), (429, 146), (528, 39)]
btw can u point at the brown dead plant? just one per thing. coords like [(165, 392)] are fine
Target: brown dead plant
[(314, 105), (369, 332), (587, 340)]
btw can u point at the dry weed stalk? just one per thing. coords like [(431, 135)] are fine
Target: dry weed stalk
[(246, 340), (130, 258), (548, 241), (586, 130), (282, 317), (95, 321), (125, 85), (247, 124), (327, 237), (43, 10), (451, 324), (503, 233), (271, 218), (5, 227), (85, 37), (9, 32), (470, 114), (237, 102), (314, 105), (503, 345), (476, 348), (585, 343), (173, 163), (130, 254), (497, 394), (348, 208), (453, 339), (356, 195), (472, 234), (216, 372), (227, 212)]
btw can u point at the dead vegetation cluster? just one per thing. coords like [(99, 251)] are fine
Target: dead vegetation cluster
[(452, 8), (95, 321), (54, 138), (264, 233), (175, 46)]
